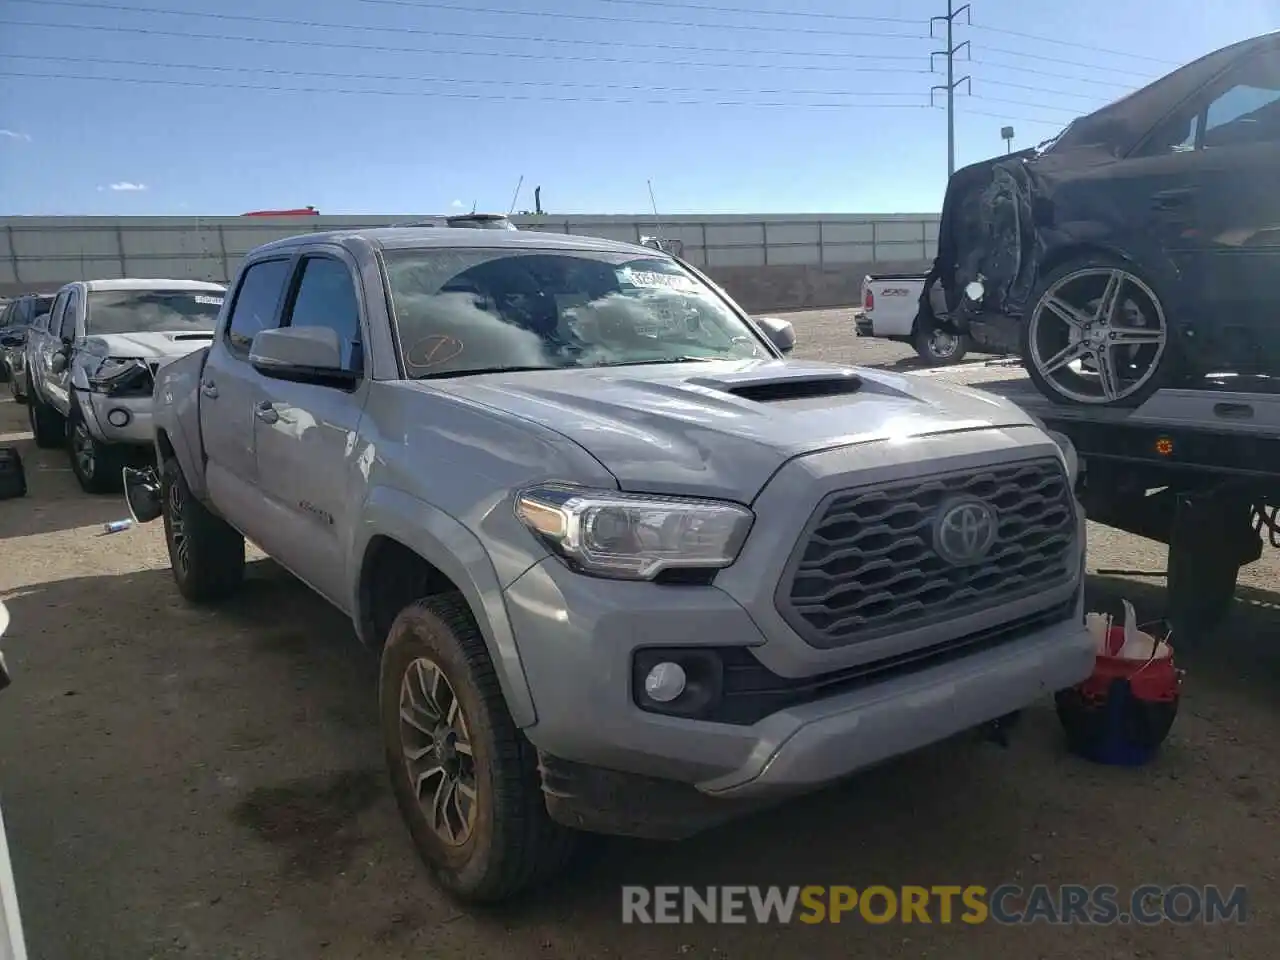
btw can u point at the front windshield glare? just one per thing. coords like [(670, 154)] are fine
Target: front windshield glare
[(462, 311), (151, 311)]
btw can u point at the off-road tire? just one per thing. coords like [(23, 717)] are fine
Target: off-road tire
[(104, 475), (1170, 366), (47, 425), (514, 845), (923, 342), (214, 562)]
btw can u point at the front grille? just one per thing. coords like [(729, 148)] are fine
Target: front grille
[(866, 565)]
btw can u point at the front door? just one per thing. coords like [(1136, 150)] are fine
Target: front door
[(1238, 203), (305, 436), (230, 391), (62, 343)]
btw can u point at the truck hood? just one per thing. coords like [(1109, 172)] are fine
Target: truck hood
[(722, 429), (149, 345)]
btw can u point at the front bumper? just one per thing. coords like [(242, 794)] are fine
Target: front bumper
[(577, 639), (134, 427)]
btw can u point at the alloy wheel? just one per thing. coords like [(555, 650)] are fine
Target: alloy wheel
[(435, 742), (82, 449), (178, 530), (1097, 335)]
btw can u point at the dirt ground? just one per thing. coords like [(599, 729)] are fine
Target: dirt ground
[(183, 783)]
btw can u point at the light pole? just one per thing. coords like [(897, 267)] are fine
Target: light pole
[(1006, 133)]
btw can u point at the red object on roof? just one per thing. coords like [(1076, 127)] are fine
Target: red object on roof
[(304, 212)]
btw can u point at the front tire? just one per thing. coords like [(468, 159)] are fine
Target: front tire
[(47, 425), (95, 464), (465, 778), (1098, 335), (205, 552)]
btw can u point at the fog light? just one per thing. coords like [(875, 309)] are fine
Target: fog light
[(118, 417), (665, 682)]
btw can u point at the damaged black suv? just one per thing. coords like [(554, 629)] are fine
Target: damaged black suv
[(1138, 249)]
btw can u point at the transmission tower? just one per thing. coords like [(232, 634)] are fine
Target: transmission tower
[(950, 86)]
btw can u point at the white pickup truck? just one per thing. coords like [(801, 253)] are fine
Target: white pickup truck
[(890, 305)]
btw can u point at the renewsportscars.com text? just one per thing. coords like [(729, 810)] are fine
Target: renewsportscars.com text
[(1008, 904)]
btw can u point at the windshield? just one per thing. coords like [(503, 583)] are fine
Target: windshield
[(150, 311), (464, 311)]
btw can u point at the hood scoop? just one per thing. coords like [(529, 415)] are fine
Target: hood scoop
[(790, 388), (179, 337)]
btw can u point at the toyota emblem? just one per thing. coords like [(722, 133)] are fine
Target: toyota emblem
[(965, 532)]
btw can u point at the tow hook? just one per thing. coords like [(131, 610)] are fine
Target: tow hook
[(142, 494)]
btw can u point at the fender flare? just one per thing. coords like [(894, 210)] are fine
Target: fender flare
[(449, 546)]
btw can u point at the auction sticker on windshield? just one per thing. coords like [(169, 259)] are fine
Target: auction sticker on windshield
[(651, 278), (207, 300)]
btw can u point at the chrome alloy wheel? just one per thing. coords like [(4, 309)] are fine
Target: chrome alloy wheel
[(179, 547), (1097, 335), (436, 745)]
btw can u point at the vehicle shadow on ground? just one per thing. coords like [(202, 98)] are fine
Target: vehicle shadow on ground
[(285, 666)]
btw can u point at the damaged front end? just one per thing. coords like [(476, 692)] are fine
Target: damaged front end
[(988, 248), (122, 377)]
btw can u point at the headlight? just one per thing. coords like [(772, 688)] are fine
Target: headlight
[(633, 536), (1068, 453), (118, 375)]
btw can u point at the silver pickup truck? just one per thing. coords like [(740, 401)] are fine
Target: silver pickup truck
[(628, 569)]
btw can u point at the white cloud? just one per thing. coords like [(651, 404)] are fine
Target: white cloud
[(458, 204), (15, 135), (124, 186)]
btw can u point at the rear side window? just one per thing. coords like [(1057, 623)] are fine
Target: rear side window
[(256, 301), (327, 298)]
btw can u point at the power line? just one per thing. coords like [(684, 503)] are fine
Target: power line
[(1129, 54), (199, 84), (672, 5), (378, 48), (1046, 73), (1073, 63), (640, 21), (563, 84), (470, 8)]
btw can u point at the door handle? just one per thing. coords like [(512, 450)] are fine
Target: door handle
[(1172, 199), (266, 413), (209, 388)]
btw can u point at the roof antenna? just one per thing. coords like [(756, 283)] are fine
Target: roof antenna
[(516, 196), (654, 203)]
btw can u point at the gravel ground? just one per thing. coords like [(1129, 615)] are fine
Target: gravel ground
[(181, 783)]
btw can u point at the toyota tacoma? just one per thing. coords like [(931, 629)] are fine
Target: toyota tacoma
[(628, 568)]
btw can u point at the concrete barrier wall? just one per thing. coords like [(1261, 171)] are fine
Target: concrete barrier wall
[(765, 262)]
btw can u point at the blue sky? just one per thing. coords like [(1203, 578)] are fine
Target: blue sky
[(414, 106)]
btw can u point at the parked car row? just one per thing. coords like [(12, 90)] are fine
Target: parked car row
[(17, 318), (86, 365)]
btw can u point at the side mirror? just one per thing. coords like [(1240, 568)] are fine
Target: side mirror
[(304, 354), (781, 332), (58, 363)]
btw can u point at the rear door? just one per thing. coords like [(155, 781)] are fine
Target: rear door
[(230, 390)]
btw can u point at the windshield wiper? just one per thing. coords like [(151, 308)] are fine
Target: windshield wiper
[(649, 363), (478, 371)]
